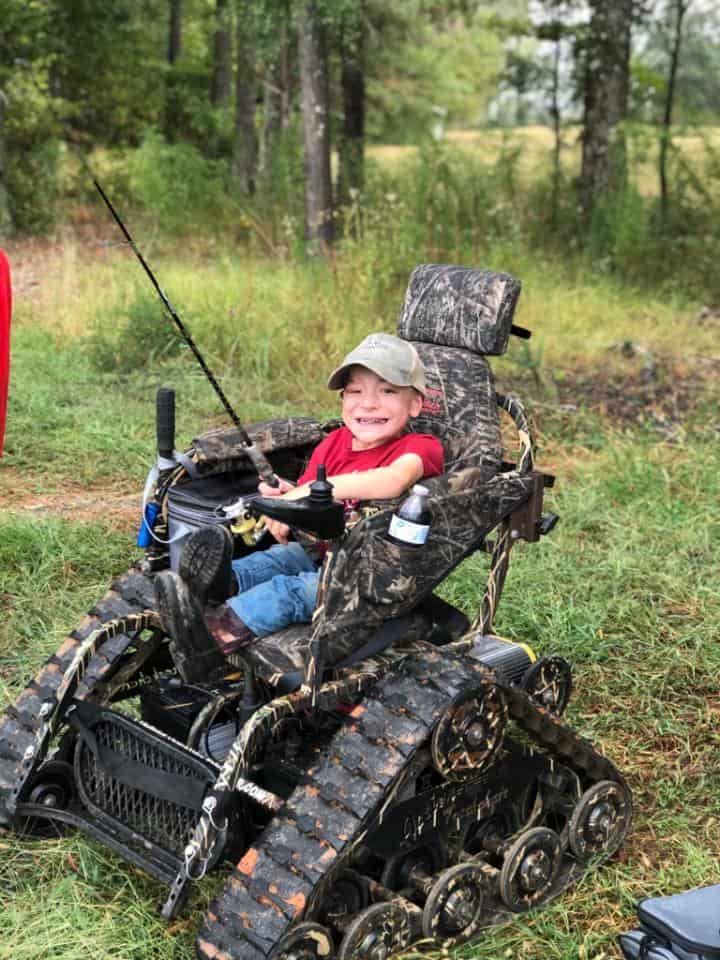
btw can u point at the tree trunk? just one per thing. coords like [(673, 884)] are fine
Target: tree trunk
[(556, 123), (244, 151), (172, 93), (681, 7), (5, 218), (316, 130), (607, 69), (221, 81), (276, 102), (351, 167)]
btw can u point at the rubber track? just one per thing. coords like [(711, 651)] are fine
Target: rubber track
[(130, 593), (328, 814), (347, 791)]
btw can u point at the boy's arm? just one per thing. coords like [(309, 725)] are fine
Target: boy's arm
[(382, 483)]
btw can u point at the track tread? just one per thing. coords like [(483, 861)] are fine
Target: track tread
[(21, 722), (344, 790), (326, 813)]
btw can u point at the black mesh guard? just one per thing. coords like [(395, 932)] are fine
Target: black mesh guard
[(130, 776)]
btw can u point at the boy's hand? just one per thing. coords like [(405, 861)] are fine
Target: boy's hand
[(281, 531), (265, 490)]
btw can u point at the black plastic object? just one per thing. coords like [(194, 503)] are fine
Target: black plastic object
[(521, 332), (685, 925), (165, 422), (637, 946), (317, 513), (547, 523)]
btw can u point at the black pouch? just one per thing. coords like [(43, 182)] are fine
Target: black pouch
[(198, 503), (685, 926)]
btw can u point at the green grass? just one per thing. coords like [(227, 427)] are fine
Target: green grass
[(626, 587), (84, 376)]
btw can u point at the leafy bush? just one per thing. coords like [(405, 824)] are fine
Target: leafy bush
[(181, 188), (31, 156), (144, 338)]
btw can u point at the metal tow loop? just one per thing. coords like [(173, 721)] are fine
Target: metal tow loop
[(206, 843)]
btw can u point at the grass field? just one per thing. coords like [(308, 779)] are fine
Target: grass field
[(535, 146), (622, 389)]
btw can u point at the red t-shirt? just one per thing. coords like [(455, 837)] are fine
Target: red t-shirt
[(336, 452)]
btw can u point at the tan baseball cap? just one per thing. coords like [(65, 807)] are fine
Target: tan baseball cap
[(388, 356)]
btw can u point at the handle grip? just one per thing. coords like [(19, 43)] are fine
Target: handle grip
[(165, 422)]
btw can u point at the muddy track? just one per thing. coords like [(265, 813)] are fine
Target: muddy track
[(344, 796), (19, 725), (326, 816)]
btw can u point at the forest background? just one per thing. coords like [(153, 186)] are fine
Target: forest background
[(284, 165)]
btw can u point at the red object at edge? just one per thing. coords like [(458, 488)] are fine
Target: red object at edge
[(5, 311)]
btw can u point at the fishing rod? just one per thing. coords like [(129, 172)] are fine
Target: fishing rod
[(257, 457)]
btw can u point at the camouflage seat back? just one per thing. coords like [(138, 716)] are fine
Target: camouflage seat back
[(454, 316), (460, 408)]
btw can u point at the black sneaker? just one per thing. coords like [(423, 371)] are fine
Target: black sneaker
[(206, 564), (192, 648)]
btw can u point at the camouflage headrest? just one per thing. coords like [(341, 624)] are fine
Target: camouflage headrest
[(459, 307)]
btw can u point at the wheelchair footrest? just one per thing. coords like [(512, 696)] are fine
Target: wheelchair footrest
[(137, 781)]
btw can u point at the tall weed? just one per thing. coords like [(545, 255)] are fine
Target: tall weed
[(143, 337)]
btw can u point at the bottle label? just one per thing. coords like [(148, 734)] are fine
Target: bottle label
[(407, 531)]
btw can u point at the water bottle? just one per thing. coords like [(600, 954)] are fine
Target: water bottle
[(410, 523)]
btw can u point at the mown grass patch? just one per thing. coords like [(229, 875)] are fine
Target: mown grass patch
[(52, 572)]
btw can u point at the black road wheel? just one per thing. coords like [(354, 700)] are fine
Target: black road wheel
[(307, 941), (427, 860), (53, 786), (347, 896), (530, 868), (376, 934), (454, 909), (486, 836), (549, 682), (470, 732), (600, 821)]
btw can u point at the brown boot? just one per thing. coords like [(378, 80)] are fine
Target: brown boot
[(228, 630), (192, 647), (206, 564)]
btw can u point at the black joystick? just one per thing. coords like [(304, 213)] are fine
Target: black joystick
[(320, 489), (317, 513)]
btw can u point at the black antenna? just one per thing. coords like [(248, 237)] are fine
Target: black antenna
[(259, 460)]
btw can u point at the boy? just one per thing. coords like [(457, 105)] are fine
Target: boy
[(371, 457)]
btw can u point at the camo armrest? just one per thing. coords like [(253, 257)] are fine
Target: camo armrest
[(374, 579), (222, 446)]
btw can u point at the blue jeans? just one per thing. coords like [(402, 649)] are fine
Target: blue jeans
[(277, 587)]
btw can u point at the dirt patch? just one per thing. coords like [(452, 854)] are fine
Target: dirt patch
[(37, 262), (117, 510), (635, 387)]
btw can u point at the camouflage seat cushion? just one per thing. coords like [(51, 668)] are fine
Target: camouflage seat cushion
[(280, 653)]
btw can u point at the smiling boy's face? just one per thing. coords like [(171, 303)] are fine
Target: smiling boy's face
[(375, 411)]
